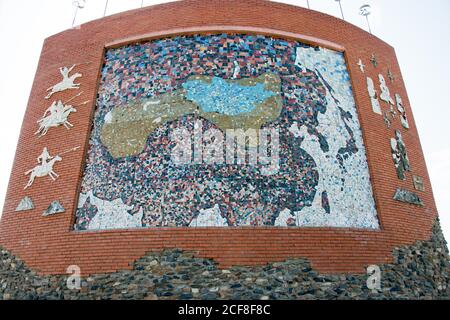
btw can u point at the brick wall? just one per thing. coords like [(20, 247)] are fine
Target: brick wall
[(49, 245)]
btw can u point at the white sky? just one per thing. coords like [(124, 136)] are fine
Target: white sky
[(418, 30)]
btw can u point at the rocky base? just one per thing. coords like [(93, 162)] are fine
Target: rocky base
[(420, 271)]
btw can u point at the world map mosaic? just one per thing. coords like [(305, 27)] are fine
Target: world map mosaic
[(302, 95)]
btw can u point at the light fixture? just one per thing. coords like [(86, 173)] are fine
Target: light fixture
[(364, 10), (79, 4)]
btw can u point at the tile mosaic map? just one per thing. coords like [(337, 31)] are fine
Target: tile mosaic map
[(225, 81)]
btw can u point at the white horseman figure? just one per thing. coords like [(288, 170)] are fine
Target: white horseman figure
[(385, 94), (55, 115), (68, 82), (45, 166)]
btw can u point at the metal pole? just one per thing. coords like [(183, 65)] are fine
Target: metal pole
[(342, 12), (368, 24), (307, 3), (79, 4), (142, 3), (106, 6), (75, 16)]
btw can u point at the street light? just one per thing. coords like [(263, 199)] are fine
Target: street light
[(79, 4), (307, 3), (340, 6), (364, 10)]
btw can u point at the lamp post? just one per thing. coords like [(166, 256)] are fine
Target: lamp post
[(364, 10), (142, 3), (340, 7), (307, 3), (79, 4)]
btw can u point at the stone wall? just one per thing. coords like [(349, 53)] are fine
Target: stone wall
[(418, 271)]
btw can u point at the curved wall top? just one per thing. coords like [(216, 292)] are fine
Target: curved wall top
[(389, 202)]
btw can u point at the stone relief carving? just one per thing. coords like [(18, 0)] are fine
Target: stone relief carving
[(386, 119), (373, 60), (392, 112), (68, 82), (402, 111), (25, 204), (389, 116), (399, 155), (45, 166), (361, 65), (54, 208), (390, 75), (407, 197), (418, 183), (385, 94), (373, 96), (56, 115)]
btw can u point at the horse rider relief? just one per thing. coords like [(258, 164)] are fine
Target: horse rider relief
[(57, 114), (68, 82), (45, 166)]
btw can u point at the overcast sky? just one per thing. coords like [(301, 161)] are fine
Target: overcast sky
[(418, 30)]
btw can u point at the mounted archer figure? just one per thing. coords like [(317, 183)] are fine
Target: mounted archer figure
[(45, 166), (68, 82), (57, 114)]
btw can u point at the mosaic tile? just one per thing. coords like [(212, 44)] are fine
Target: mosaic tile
[(418, 183), (390, 75), (105, 214), (374, 60), (25, 204), (373, 96), (209, 218), (150, 90), (401, 109), (54, 208), (123, 134), (385, 94), (399, 155), (361, 66), (407, 197)]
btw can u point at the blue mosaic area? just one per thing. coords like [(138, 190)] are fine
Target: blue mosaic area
[(223, 97), (322, 179)]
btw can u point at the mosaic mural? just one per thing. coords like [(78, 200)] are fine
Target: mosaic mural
[(214, 83)]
